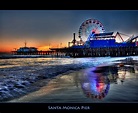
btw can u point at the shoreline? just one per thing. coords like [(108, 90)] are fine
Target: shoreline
[(37, 86), (67, 87), (13, 86), (34, 86), (16, 81)]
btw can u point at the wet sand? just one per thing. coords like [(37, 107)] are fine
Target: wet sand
[(106, 84)]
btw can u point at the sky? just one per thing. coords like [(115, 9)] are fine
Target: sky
[(54, 28)]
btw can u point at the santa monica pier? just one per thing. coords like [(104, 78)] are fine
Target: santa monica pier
[(92, 41)]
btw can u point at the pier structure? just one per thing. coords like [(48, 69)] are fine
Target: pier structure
[(98, 52), (33, 52), (95, 42)]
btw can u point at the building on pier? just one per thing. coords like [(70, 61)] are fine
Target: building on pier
[(31, 51), (27, 49), (94, 41)]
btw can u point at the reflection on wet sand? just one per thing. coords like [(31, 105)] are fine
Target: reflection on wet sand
[(95, 85), (96, 81)]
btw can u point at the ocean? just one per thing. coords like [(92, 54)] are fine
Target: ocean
[(69, 80)]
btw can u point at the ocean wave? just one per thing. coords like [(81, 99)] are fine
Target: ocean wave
[(15, 80)]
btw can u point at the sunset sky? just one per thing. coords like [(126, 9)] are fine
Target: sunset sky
[(55, 28)]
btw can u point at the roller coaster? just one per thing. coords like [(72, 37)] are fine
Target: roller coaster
[(93, 41)]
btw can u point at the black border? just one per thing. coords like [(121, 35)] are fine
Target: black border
[(68, 5), (46, 107)]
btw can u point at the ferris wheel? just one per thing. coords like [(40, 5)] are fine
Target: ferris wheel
[(90, 26)]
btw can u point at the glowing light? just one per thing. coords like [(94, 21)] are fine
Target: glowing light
[(43, 48), (100, 87)]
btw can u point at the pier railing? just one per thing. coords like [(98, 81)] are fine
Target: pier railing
[(86, 52), (98, 52)]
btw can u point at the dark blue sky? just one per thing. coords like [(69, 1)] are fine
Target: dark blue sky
[(54, 26)]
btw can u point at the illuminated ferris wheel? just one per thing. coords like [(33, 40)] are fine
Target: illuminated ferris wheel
[(88, 27)]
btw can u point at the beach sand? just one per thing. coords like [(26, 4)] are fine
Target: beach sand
[(117, 82)]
